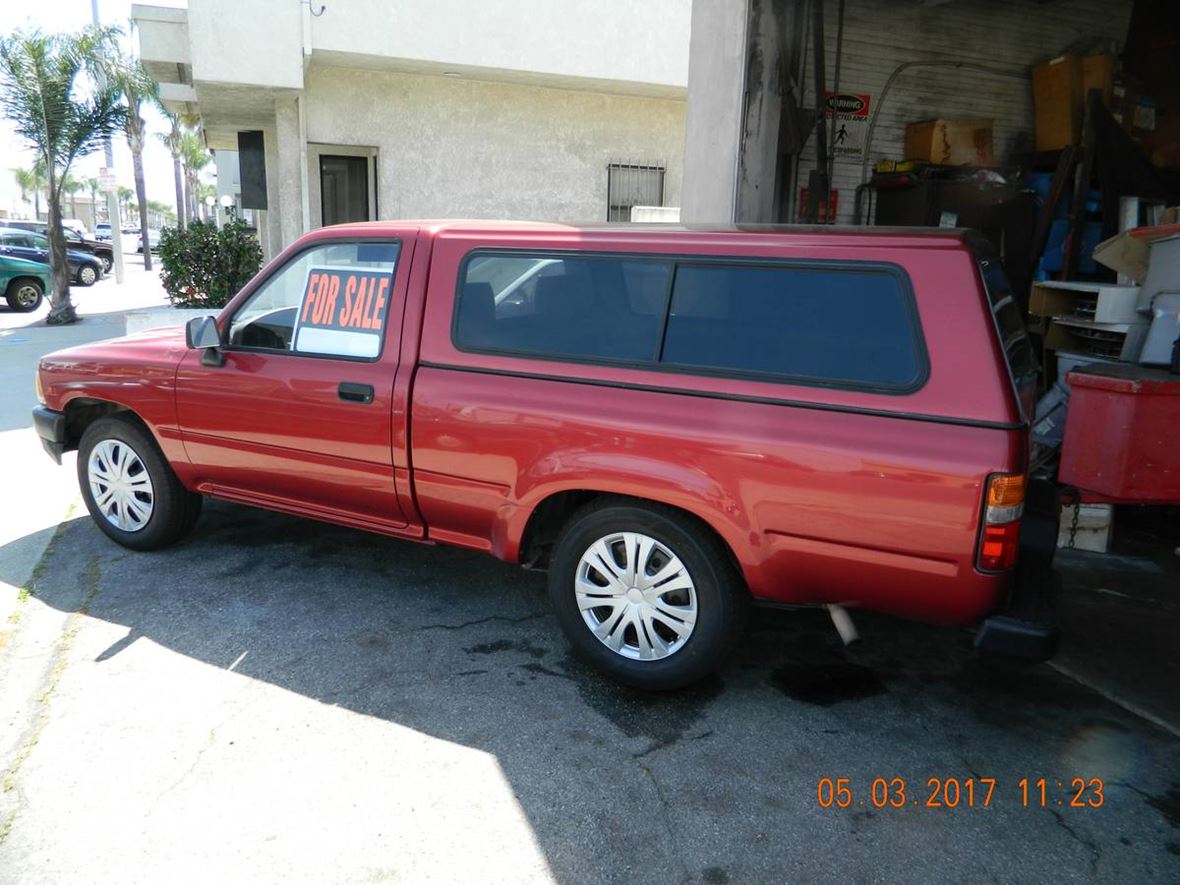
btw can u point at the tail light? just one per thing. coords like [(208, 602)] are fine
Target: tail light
[(999, 541)]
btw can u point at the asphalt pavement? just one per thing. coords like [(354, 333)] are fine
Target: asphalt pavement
[(281, 700)]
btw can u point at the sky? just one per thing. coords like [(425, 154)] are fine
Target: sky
[(71, 15)]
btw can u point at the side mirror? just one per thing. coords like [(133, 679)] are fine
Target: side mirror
[(201, 333)]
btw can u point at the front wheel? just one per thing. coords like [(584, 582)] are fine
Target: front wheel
[(25, 294), (107, 263), (87, 275), (129, 488), (646, 594)]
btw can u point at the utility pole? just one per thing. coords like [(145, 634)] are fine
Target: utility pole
[(112, 196)]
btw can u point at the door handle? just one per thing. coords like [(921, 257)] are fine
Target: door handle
[(355, 393)]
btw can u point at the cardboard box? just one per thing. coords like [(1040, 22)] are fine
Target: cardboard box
[(950, 142), (1098, 73), (1127, 253), (1058, 100)]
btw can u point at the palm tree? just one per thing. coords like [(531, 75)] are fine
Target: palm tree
[(137, 87), (27, 180), (172, 139), (71, 186), (126, 195), (195, 159), (92, 184), (63, 115), (164, 211)]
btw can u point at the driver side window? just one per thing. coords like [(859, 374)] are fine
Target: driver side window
[(332, 299)]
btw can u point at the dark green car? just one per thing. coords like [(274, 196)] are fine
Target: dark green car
[(23, 282)]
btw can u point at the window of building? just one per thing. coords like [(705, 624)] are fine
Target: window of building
[(835, 326), (331, 300), (567, 307), (632, 184)]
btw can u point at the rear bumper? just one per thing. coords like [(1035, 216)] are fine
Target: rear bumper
[(51, 427), (1026, 628)]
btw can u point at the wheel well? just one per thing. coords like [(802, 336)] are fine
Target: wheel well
[(550, 516), (82, 412), (16, 281)]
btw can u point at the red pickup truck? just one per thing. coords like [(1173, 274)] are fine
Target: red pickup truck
[(674, 422)]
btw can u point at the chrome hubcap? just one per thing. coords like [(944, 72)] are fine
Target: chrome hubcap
[(636, 596), (120, 485), (88, 275), (27, 295)]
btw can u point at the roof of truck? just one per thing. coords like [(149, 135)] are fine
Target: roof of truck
[(926, 236)]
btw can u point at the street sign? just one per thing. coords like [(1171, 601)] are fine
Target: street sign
[(106, 181)]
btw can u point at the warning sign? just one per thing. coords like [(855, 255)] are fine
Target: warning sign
[(343, 311), (851, 110)]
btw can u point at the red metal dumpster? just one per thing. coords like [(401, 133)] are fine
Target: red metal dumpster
[(1122, 434)]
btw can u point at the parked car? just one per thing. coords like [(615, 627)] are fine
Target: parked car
[(23, 282), (85, 269), (153, 240), (102, 231), (77, 227), (674, 423), (74, 240)]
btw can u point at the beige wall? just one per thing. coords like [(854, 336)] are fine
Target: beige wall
[(636, 43), (259, 42), (451, 148)]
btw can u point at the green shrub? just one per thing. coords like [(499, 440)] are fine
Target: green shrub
[(205, 267)]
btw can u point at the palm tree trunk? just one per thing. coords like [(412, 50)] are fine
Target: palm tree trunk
[(136, 145), (61, 308), (177, 175), (189, 202)]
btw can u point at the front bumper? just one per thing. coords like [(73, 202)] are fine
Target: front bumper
[(51, 427), (1026, 629)]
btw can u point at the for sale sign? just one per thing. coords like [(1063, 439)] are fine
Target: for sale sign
[(851, 111), (343, 311)]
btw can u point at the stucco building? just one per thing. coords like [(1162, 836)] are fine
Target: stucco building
[(374, 109)]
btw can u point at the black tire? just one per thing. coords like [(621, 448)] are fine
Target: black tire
[(107, 263), (174, 509), (721, 596), (24, 294), (87, 275)]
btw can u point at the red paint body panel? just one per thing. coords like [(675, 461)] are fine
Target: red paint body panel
[(1120, 434), (137, 372), (823, 495)]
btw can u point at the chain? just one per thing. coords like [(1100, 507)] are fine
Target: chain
[(1073, 524)]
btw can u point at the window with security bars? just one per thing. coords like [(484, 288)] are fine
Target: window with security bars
[(632, 184)]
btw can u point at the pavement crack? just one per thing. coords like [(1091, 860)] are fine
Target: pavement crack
[(661, 744), (665, 810), (1095, 851), (487, 620), (10, 782), (1134, 789), (210, 740)]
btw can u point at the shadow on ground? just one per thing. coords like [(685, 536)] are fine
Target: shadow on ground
[(714, 784)]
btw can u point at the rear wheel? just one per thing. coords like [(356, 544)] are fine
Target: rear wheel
[(646, 594), (24, 294), (107, 263), (87, 275), (129, 488)]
